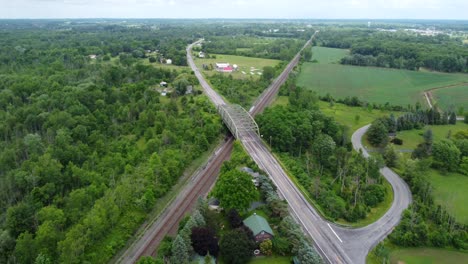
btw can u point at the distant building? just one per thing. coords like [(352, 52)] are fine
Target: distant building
[(163, 84), (168, 61), (201, 54), (93, 56), (260, 227), (189, 89), (224, 67)]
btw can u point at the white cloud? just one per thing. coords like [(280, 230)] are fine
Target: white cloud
[(427, 9)]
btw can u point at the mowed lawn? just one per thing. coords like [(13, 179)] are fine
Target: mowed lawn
[(271, 260), (452, 97), (411, 138), (450, 191), (427, 256), (325, 55), (248, 66)]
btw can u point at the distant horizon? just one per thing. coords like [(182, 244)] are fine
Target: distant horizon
[(233, 18), (235, 9)]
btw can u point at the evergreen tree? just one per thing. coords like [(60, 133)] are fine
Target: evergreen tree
[(453, 118), (180, 253)]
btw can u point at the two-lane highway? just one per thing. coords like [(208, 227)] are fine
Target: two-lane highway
[(334, 243)]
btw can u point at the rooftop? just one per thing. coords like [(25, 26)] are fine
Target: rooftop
[(257, 224)]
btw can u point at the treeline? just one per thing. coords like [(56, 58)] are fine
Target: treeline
[(354, 101), (279, 49), (315, 149), (86, 149), (400, 50), (416, 119), (425, 223)]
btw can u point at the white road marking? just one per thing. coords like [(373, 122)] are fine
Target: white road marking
[(334, 233)]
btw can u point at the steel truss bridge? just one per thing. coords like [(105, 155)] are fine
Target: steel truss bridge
[(238, 120)]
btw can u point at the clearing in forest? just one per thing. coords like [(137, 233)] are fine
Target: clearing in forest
[(247, 66)]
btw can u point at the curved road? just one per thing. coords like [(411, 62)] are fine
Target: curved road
[(335, 243)]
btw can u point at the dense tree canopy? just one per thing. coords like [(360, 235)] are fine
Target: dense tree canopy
[(87, 146), (235, 190), (402, 49)]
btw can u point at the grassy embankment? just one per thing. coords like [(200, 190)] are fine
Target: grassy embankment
[(375, 85), (421, 256)]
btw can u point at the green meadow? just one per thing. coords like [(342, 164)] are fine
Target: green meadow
[(453, 97), (427, 256), (371, 84), (323, 55)]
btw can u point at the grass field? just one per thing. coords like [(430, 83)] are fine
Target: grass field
[(398, 87), (328, 55), (450, 190), (411, 138), (352, 117), (452, 97), (271, 260), (371, 84), (427, 256), (246, 65)]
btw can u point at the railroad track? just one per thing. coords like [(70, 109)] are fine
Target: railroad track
[(167, 223)]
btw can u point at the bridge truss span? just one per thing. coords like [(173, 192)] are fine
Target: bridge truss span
[(238, 120)]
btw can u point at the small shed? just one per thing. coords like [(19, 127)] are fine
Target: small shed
[(163, 84), (260, 227), (168, 61)]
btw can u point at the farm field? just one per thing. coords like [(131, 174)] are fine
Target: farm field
[(325, 55), (450, 192), (246, 65), (452, 97), (371, 84), (427, 256)]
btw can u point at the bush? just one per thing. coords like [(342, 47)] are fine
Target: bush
[(235, 220), (397, 141), (266, 247)]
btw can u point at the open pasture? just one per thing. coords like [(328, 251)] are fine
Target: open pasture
[(377, 85)]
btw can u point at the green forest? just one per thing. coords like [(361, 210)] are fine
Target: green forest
[(88, 147), (316, 150), (400, 49)]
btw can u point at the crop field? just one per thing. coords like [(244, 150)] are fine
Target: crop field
[(452, 97), (328, 55), (248, 66), (427, 256), (379, 85)]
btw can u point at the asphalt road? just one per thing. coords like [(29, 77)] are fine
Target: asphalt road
[(336, 244)]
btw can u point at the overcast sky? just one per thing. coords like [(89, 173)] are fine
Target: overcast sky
[(388, 9)]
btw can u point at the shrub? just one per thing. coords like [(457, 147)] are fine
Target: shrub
[(397, 141)]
